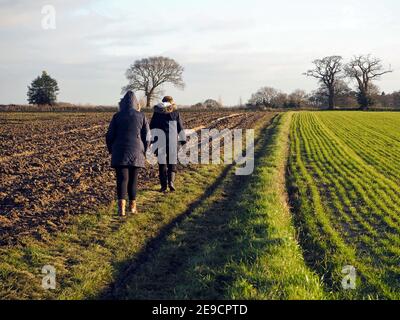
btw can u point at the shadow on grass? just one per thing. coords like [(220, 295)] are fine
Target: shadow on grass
[(197, 255)]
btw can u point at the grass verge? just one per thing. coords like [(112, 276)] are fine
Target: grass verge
[(238, 242)]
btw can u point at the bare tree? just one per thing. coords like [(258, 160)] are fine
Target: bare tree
[(297, 99), (150, 74), (212, 104), (328, 71), (365, 69), (265, 96)]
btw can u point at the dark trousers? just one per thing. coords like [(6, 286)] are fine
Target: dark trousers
[(165, 171), (127, 181)]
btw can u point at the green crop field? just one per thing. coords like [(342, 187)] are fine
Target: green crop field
[(344, 185)]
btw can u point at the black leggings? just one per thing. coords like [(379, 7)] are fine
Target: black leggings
[(127, 181)]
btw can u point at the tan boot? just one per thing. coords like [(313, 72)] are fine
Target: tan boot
[(122, 207), (132, 207)]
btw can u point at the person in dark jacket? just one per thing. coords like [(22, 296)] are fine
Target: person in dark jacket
[(128, 139), (164, 114)]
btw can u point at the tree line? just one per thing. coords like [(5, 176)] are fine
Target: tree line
[(334, 77)]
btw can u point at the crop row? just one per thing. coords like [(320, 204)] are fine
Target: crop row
[(347, 200)]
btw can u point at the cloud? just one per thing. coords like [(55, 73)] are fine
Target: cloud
[(227, 47)]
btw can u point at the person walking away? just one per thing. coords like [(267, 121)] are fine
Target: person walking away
[(128, 138), (164, 113)]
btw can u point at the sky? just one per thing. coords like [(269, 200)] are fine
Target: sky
[(229, 48)]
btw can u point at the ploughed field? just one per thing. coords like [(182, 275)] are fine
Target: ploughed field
[(54, 165), (344, 182)]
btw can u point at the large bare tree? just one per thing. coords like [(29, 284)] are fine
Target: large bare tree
[(365, 69), (150, 74), (328, 71)]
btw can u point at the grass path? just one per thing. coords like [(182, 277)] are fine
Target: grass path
[(90, 253), (237, 243)]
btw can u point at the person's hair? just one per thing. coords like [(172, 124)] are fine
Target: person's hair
[(168, 99), (129, 101)]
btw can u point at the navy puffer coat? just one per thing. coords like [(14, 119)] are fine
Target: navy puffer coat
[(128, 136)]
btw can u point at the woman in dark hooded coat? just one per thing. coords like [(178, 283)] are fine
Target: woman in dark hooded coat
[(128, 139), (165, 113)]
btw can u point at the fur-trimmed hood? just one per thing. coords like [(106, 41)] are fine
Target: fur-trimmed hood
[(165, 107)]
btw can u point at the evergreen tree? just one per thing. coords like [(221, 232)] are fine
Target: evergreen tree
[(43, 90)]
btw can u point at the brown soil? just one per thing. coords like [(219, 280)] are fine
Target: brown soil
[(53, 166)]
